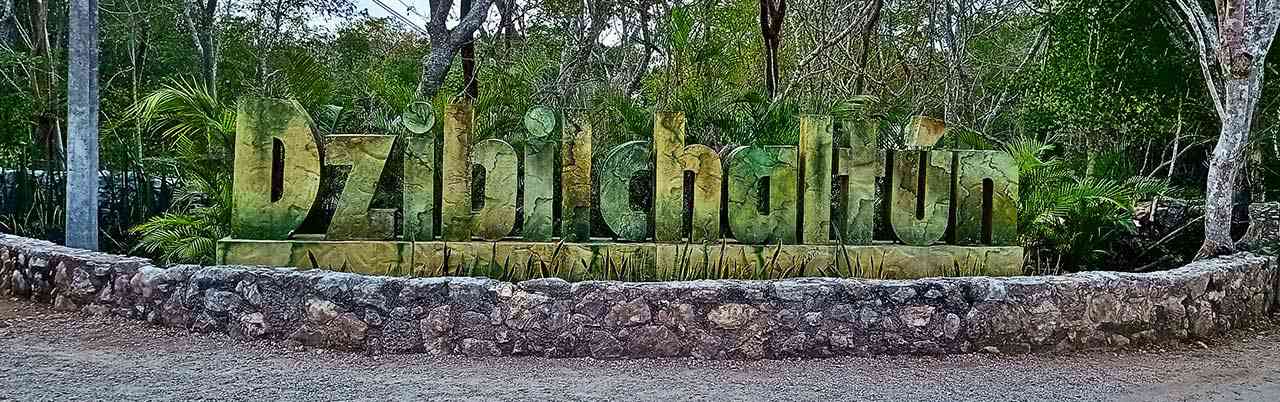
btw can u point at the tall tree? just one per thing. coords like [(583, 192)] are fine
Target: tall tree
[(772, 15), (445, 42), (507, 21), (42, 81), (1231, 40), (470, 84), (82, 126), (7, 14), (1257, 169), (200, 16), (582, 39), (864, 49)]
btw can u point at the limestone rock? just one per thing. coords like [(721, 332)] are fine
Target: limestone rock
[(633, 313), (732, 316)]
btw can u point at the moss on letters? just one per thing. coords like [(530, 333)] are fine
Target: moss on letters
[(260, 123)]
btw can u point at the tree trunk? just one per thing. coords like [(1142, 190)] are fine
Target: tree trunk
[(1228, 160), (201, 16), (470, 84), (7, 27), (46, 119), (864, 51), (1257, 175), (507, 21), (772, 16), (575, 60), (1232, 43), (637, 80), (955, 38), (445, 43), (771, 67), (82, 127), (435, 67), (208, 48)]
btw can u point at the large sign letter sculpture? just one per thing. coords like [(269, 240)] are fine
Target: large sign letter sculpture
[(270, 201), (668, 209)]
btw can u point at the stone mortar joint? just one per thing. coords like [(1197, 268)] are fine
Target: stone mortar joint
[(812, 317)]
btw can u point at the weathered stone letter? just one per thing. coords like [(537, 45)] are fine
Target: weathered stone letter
[(419, 174), (747, 167), (816, 157), (497, 217), (862, 166), (455, 170), (975, 172), (366, 155), (539, 174), (673, 158), (620, 166), (920, 208), (260, 214), (575, 182)]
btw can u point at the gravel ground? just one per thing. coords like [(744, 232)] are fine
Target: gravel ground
[(46, 355)]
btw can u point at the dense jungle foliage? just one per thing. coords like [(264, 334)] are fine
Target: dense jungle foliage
[(1101, 102)]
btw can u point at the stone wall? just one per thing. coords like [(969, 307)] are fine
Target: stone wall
[(705, 319)]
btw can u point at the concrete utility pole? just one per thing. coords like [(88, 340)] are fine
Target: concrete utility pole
[(82, 126)]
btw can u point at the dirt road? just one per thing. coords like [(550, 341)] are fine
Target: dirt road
[(47, 355)]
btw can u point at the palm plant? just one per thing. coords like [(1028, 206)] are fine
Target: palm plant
[(1075, 217), (198, 131)]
